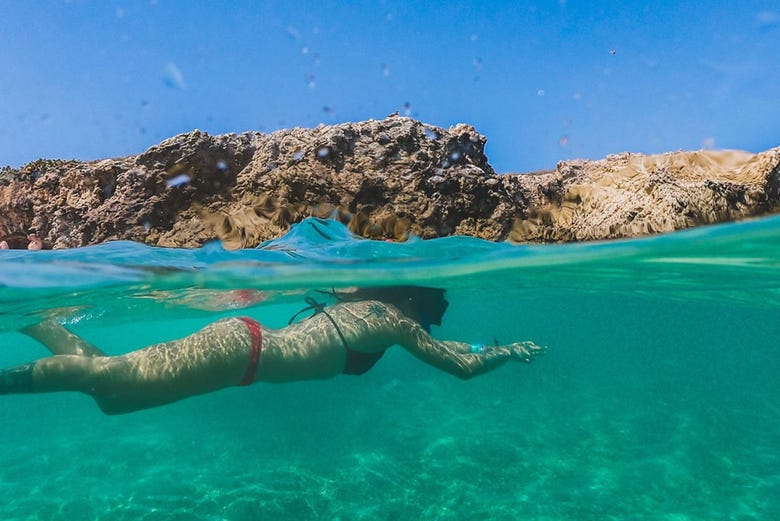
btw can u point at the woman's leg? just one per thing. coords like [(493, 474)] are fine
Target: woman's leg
[(59, 340), (89, 375), (52, 374), (210, 359)]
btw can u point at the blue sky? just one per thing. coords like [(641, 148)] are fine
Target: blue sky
[(544, 81)]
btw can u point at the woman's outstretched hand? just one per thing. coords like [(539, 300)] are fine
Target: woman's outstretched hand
[(525, 351)]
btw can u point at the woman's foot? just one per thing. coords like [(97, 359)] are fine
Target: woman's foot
[(17, 379)]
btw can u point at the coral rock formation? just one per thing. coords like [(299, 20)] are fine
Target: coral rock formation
[(629, 195), (384, 178)]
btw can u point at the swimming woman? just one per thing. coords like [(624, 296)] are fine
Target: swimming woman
[(347, 338)]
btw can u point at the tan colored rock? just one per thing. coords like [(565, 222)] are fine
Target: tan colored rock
[(384, 178), (629, 195)]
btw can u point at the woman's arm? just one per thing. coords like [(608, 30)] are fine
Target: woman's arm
[(459, 358)]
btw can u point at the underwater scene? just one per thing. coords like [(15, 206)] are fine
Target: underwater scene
[(170, 123), (657, 396)]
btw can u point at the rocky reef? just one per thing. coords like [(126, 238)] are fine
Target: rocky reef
[(385, 178)]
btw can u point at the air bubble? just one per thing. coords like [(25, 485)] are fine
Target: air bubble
[(323, 152), (147, 226), (430, 134), (297, 155), (540, 92), (293, 33), (174, 78), (222, 165), (310, 81), (455, 155), (767, 19), (407, 109), (385, 70), (181, 179)]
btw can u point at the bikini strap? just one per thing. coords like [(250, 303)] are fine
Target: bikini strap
[(256, 333), (319, 307)]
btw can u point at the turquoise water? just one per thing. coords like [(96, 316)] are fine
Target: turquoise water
[(658, 398)]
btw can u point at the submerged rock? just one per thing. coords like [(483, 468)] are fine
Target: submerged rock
[(384, 178)]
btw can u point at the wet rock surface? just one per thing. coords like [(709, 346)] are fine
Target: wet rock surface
[(629, 195), (384, 178)]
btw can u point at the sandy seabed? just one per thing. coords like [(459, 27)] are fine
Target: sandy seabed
[(483, 455)]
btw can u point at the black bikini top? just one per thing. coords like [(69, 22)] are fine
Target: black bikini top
[(357, 362)]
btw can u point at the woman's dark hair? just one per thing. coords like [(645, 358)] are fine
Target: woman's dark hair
[(427, 303)]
